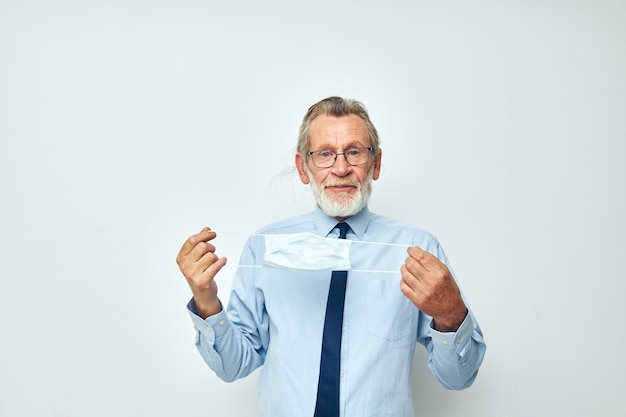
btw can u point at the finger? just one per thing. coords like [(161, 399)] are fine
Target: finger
[(215, 267), (205, 261), (415, 268), (202, 272), (406, 289), (411, 287), (418, 255), (201, 249), (205, 235), (206, 273), (409, 279), (196, 260), (423, 270), (426, 259), (429, 270)]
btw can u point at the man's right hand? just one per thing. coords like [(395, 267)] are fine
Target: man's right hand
[(199, 264)]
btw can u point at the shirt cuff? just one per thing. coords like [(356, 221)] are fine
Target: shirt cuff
[(213, 326), (454, 340)]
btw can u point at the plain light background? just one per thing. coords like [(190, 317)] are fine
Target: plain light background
[(126, 126)]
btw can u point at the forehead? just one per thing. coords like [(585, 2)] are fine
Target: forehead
[(338, 132)]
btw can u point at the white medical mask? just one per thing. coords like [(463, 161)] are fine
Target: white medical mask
[(307, 251)]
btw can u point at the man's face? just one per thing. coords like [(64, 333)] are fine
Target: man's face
[(342, 190)]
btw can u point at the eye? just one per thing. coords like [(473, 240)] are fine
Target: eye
[(326, 154), (353, 152)]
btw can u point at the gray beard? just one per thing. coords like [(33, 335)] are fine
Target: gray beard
[(342, 206)]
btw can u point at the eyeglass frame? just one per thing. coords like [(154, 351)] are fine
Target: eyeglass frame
[(370, 149)]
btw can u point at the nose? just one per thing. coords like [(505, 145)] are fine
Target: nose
[(341, 168)]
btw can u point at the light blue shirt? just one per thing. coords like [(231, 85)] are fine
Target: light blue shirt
[(275, 318)]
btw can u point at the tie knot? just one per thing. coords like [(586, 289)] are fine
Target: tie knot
[(343, 229)]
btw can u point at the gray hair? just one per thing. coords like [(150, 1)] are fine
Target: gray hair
[(336, 107)]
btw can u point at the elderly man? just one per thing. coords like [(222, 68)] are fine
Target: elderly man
[(334, 343)]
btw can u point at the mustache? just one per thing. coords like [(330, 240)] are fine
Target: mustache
[(341, 183)]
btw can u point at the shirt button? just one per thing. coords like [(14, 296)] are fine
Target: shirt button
[(343, 328), (341, 374), (457, 341), (208, 329), (222, 322), (445, 342)]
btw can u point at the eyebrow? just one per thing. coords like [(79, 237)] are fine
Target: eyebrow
[(355, 144)]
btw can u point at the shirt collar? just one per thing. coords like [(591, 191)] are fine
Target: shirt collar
[(325, 224)]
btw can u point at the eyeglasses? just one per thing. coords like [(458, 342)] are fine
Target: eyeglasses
[(354, 156)]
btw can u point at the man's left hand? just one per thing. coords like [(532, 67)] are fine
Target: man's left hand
[(429, 284)]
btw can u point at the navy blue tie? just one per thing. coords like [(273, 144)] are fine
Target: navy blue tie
[(327, 404)]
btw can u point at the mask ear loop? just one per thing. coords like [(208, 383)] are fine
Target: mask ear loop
[(369, 271)]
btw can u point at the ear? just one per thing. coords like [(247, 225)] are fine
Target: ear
[(377, 162), (301, 171)]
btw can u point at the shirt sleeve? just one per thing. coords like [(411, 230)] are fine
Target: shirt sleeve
[(453, 357), (233, 342)]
